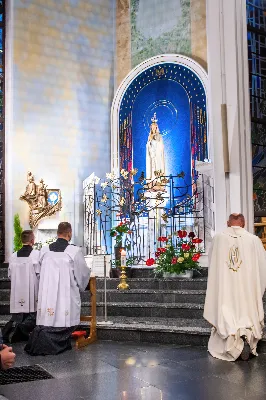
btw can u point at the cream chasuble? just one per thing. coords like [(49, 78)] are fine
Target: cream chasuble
[(236, 284)]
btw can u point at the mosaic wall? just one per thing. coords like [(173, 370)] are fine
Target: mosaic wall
[(159, 27), (146, 28), (62, 93)]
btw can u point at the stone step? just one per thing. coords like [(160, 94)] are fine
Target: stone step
[(5, 283), (157, 284), (138, 295), (145, 283), (161, 310), (155, 296)]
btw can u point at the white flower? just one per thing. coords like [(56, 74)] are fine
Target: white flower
[(124, 173), (122, 201), (96, 180), (111, 176), (134, 171), (104, 184), (104, 198)]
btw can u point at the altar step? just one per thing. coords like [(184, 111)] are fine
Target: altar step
[(153, 310)]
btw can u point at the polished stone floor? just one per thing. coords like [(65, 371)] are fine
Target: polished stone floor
[(128, 371)]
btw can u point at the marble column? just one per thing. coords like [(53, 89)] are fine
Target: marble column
[(229, 84), (123, 40), (198, 31)]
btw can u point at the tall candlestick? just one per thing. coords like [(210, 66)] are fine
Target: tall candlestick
[(123, 285), (123, 258)]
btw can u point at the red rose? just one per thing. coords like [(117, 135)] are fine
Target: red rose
[(196, 257), (185, 247), (162, 239), (163, 250), (150, 262), (197, 240), (174, 260), (157, 254), (182, 234), (191, 235)]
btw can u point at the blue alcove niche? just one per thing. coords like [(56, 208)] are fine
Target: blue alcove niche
[(178, 97)]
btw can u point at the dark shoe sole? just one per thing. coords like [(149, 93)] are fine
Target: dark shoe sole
[(245, 352)]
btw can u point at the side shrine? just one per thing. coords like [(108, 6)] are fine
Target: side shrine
[(143, 127)]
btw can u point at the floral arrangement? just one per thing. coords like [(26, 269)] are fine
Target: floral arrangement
[(118, 231), (176, 258)]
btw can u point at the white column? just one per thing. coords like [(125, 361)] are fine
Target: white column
[(9, 212), (229, 84)]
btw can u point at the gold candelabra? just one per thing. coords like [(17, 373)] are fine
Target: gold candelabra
[(123, 285)]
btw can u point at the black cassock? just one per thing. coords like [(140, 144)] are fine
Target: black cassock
[(21, 324), (52, 340)]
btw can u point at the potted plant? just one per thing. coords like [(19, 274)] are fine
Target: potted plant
[(178, 255), (118, 232), (18, 231)]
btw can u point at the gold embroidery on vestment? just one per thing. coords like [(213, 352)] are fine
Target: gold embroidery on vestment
[(234, 262), (50, 312)]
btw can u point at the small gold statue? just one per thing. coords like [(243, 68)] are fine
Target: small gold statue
[(42, 202)]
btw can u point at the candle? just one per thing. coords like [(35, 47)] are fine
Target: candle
[(123, 258)]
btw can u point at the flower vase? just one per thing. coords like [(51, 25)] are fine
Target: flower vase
[(185, 275)]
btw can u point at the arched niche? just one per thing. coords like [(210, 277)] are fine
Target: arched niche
[(182, 76)]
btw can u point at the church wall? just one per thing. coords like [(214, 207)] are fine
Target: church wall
[(60, 88), (146, 28)]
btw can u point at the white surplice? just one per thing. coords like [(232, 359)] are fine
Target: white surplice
[(236, 284), (63, 276), (23, 272)]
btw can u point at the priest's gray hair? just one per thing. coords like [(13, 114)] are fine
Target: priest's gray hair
[(27, 236), (64, 228)]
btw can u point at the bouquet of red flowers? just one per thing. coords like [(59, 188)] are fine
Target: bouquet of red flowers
[(177, 254)]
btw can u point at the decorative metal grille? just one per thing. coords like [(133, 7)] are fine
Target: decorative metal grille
[(148, 214)]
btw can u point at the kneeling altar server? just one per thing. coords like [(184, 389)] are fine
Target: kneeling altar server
[(24, 271), (236, 284), (64, 273)]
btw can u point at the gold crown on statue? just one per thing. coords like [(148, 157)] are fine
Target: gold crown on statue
[(154, 120)]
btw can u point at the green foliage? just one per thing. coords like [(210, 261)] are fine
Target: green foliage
[(17, 233), (118, 233)]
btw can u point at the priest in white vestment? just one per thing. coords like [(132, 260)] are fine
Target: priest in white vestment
[(236, 284), (24, 268), (64, 273)]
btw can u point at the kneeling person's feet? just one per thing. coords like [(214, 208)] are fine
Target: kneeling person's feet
[(246, 351)]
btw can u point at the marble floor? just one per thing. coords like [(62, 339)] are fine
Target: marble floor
[(128, 371)]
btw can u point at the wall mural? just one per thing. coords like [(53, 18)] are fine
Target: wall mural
[(159, 29), (163, 118)]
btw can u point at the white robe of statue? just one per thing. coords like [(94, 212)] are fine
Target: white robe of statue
[(155, 160), (24, 272), (236, 284), (63, 275)]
